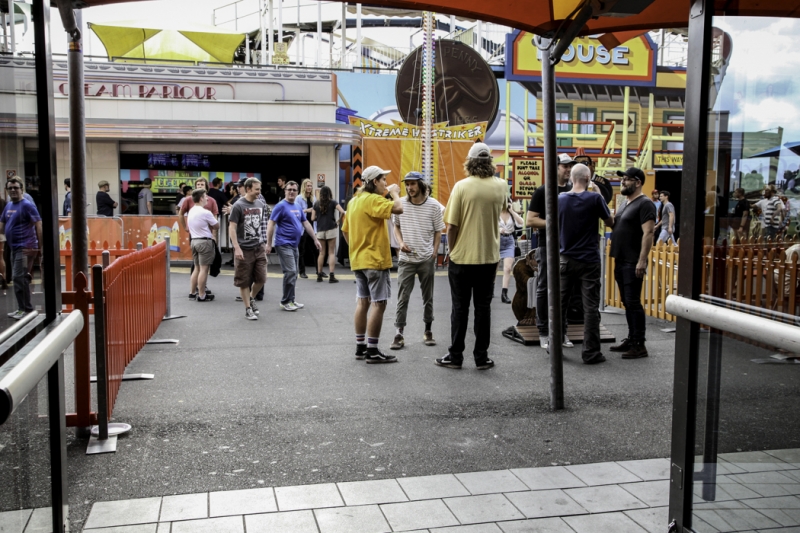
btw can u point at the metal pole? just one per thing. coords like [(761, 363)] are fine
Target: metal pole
[(625, 113), (270, 29), (77, 152), (247, 49), (602, 273), (452, 25), (319, 32), (525, 122), (297, 37), (4, 23), (13, 27), (508, 130), (480, 34), (280, 21), (358, 35), (263, 32), (139, 246), (100, 348), (551, 209), (344, 35)]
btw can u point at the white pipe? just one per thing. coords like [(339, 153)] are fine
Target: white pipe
[(263, 32), (247, 53), (270, 29), (452, 25), (12, 9), (5, 31), (297, 37), (358, 35), (280, 21), (319, 32), (752, 327), (480, 34), (344, 35)]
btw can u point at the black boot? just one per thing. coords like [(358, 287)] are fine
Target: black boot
[(504, 296)]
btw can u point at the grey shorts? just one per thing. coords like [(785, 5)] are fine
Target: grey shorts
[(203, 252), (373, 284)]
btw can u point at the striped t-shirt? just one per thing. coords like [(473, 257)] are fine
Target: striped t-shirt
[(771, 216), (418, 224)]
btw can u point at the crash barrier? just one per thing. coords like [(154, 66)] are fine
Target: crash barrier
[(95, 256), (130, 295), (756, 272)]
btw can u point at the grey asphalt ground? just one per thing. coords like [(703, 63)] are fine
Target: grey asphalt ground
[(282, 401)]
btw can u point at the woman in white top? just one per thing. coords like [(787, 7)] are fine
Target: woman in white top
[(509, 222)]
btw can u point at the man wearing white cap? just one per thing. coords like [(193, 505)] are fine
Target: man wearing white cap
[(474, 239), (366, 233), (536, 219)]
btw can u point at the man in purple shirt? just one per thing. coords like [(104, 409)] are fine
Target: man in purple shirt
[(21, 226)]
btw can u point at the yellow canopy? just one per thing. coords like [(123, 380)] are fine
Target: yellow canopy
[(128, 41)]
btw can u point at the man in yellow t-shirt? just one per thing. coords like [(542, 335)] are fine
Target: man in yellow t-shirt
[(473, 235), (366, 233)]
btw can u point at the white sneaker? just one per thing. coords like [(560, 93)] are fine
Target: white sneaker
[(289, 306), (249, 314), (568, 343), (19, 315), (544, 343), (298, 305)]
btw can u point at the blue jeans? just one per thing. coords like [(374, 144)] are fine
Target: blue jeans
[(21, 266), (289, 257), (630, 290)]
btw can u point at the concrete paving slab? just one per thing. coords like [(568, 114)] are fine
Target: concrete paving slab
[(647, 469), (540, 525), (141, 528), (474, 528), (184, 507), (418, 515), (15, 521), (777, 502), (240, 502), (762, 477), (432, 487), (754, 461), (226, 524), (284, 522), (604, 499), (484, 508), (780, 517), (551, 477), (653, 493), (41, 521), (164, 527), (791, 456), (545, 503), (124, 513), (653, 520), (363, 518), (308, 497), (616, 522), (492, 482), (602, 474), (372, 492)]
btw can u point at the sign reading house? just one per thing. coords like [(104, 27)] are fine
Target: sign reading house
[(586, 61)]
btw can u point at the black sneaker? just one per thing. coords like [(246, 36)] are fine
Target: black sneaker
[(193, 296), (303, 275), (333, 279), (208, 291), (448, 362), (636, 351), (623, 346), (361, 351), (484, 365), (597, 359), (209, 298), (375, 356), (320, 279)]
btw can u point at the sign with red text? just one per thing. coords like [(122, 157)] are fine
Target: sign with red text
[(527, 177)]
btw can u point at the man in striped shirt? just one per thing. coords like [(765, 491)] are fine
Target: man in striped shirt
[(418, 230), (772, 207)]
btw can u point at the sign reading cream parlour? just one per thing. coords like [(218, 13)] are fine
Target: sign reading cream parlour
[(172, 91), (527, 177)]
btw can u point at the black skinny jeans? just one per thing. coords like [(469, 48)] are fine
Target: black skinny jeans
[(468, 282), (630, 289)]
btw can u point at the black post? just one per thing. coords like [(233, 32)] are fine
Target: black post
[(58, 444), (551, 207), (48, 186), (684, 403), (100, 349), (77, 150)]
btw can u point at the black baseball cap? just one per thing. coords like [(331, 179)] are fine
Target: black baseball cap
[(633, 172)]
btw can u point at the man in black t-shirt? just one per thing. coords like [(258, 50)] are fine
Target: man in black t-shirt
[(536, 218), (105, 204), (217, 194), (630, 246), (741, 214)]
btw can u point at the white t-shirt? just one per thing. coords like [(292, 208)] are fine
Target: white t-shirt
[(199, 221)]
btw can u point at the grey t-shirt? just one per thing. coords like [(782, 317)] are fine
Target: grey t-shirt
[(248, 217), (665, 211), (145, 196)]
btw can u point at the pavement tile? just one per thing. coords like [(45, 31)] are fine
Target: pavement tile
[(124, 513), (492, 482), (794, 474), (140, 528), (788, 456), (227, 524), (713, 506), (551, 477), (772, 489), (602, 474), (616, 522), (474, 528), (754, 461), (539, 525), (545, 503), (604, 499), (364, 519), (308, 497), (653, 493), (418, 515), (236, 502), (780, 517), (735, 519), (432, 487), (371, 492), (762, 477), (485, 508), (14, 521), (41, 521), (184, 507), (164, 527), (777, 502), (647, 469), (698, 524), (653, 520), (287, 522)]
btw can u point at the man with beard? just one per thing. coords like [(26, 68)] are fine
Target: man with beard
[(248, 237), (418, 231), (630, 246)]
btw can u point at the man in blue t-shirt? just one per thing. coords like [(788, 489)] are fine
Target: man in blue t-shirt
[(290, 220), (21, 226), (579, 214)]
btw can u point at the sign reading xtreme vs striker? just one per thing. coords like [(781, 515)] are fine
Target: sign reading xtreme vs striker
[(527, 178)]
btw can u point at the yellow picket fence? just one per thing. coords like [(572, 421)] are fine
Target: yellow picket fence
[(751, 272)]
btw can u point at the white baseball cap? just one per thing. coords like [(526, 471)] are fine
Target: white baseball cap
[(565, 159), (373, 172), (480, 151)]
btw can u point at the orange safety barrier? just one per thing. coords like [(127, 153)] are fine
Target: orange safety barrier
[(95, 256), (134, 301), (79, 300)]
